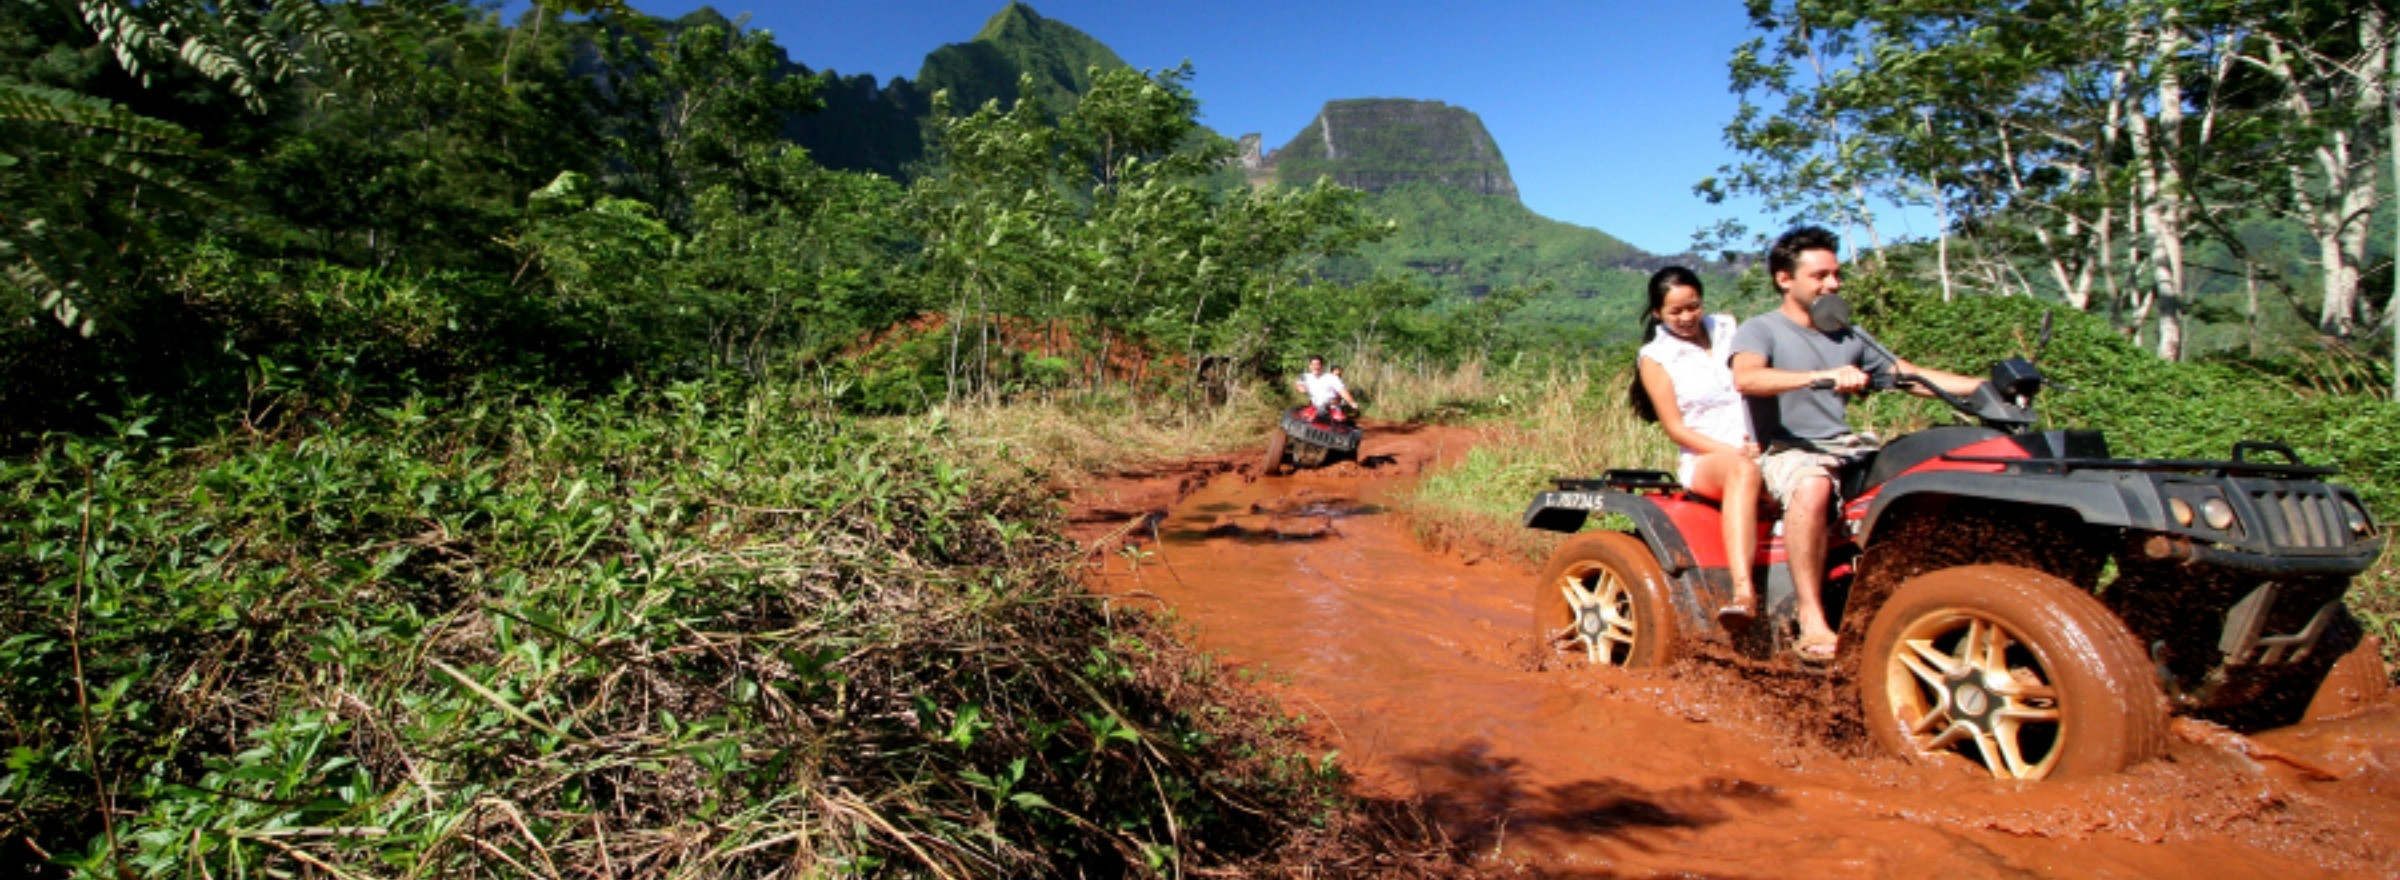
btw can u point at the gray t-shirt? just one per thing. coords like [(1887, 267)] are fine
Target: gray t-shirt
[(1809, 413)]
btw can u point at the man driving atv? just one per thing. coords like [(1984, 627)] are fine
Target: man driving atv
[(1322, 389), (1797, 379)]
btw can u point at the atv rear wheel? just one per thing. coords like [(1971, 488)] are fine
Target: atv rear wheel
[(1603, 596), (2015, 670), (1273, 463)]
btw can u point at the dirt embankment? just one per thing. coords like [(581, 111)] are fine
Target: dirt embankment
[(1414, 666)]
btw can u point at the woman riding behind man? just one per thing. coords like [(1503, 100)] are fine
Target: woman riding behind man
[(1683, 383)]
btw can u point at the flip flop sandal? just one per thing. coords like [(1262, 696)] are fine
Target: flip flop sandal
[(1737, 614), (1805, 649)]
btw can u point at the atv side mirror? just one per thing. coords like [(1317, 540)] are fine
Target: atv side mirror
[(1829, 314)]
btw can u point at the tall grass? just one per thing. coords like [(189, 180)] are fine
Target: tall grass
[(1409, 390), (1564, 420), (1073, 437), (714, 630)]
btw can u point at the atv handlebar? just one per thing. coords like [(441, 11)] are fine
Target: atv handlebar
[(1903, 380), (1986, 404)]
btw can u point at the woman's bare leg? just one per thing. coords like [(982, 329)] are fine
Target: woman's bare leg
[(1732, 479)]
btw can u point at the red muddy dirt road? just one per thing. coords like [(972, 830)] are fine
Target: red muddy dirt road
[(1414, 665)]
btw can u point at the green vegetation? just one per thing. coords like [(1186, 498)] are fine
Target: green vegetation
[(1016, 43), (2143, 157), (483, 472), (882, 129), (703, 629), (1580, 286), (1544, 421), (438, 446)]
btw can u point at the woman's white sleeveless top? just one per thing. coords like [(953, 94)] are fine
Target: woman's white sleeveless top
[(1703, 386)]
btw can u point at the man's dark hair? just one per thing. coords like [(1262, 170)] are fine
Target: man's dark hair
[(1316, 358), (1785, 255)]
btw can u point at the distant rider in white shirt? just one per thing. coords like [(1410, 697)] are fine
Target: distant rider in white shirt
[(1322, 389)]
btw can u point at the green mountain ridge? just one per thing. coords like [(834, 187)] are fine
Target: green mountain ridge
[(881, 128), (1017, 41), (1432, 168)]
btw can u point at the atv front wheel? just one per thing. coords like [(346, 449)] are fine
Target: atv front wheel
[(2015, 670), (1273, 463), (1604, 597)]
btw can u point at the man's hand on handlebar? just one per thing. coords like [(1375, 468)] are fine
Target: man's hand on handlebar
[(1846, 379)]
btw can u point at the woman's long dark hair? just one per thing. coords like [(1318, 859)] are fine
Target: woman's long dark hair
[(1661, 282)]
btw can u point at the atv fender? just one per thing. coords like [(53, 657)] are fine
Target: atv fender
[(2099, 503), (1566, 511)]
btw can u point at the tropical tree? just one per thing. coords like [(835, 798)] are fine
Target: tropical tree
[(2098, 141), (693, 105), (82, 177), (79, 178)]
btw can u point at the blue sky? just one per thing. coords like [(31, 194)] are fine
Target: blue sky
[(1607, 111)]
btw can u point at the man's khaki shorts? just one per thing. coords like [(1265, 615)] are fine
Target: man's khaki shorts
[(1785, 469)]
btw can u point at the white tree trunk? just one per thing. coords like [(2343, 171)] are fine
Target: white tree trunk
[(2164, 209), (2334, 201)]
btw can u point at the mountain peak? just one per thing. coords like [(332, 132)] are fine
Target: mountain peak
[(1017, 40), (1377, 143), (1016, 21)]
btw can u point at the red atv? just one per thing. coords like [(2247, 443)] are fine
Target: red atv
[(1309, 436), (2016, 598)]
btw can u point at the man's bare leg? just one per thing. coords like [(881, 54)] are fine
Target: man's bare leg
[(1804, 529)]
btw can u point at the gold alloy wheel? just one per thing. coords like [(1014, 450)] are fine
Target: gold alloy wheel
[(1602, 595), (2019, 671), (1961, 678), (1603, 607)]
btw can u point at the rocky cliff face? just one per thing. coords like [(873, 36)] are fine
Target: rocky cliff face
[(863, 127), (1377, 143), (866, 127)]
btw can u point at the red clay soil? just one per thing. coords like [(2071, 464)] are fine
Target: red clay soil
[(1416, 667)]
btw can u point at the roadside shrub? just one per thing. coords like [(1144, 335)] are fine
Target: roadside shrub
[(710, 630)]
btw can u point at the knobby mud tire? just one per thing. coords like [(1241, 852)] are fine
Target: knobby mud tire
[(1272, 464), (2064, 691), (1616, 568)]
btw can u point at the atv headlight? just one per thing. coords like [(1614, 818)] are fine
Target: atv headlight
[(2356, 516), (2218, 513), (2182, 510)]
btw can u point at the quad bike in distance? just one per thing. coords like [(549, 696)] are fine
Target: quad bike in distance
[(2017, 599), (1309, 436)]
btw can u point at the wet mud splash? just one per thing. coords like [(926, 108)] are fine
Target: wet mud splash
[(1415, 667)]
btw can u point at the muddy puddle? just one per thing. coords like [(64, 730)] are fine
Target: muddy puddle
[(1415, 668)]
